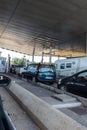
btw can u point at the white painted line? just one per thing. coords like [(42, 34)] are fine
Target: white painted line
[(67, 105)]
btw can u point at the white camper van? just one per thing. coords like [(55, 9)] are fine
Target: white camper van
[(68, 67)]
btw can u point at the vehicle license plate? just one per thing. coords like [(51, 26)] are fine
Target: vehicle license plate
[(48, 77)]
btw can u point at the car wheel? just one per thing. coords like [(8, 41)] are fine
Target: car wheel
[(22, 76), (51, 83), (63, 88), (34, 79)]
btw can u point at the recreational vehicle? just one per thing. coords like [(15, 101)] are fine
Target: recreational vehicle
[(68, 67)]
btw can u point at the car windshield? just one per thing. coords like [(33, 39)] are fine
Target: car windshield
[(84, 74), (46, 68)]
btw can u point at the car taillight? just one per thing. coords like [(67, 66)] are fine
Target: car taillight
[(38, 78), (39, 68), (21, 74)]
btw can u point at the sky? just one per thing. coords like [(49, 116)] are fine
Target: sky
[(5, 53)]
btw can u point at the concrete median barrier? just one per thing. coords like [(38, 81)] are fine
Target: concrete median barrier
[(46, 117)]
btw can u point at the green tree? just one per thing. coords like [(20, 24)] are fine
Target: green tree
[(18, 61)]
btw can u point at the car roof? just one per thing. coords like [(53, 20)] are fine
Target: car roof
[(40, 64)]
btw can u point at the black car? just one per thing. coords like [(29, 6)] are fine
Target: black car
[(40, 72), (74, 83), (4, 80), (12, 69)]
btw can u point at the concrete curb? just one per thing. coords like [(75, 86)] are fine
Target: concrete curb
[(51, 88), (46, 117)]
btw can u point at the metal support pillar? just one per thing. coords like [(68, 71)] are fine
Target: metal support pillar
[(33, 53), (42, 57), (50, 57), (58, 57), (8, 64)]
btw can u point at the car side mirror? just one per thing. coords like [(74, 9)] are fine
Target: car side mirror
[(4, 80)]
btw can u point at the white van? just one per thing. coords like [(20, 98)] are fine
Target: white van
[(68, 67)]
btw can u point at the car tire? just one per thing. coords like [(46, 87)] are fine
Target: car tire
[(34, 79), (51, 83), (63, 88), (22, 76)]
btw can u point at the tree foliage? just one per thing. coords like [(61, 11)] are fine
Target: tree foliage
[(18, 61)]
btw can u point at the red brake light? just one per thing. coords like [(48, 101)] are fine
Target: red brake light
[(39, 68)]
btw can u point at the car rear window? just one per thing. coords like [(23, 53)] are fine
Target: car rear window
[(46, 68)]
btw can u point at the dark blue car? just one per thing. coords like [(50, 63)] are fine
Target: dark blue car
[(40, 73)]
